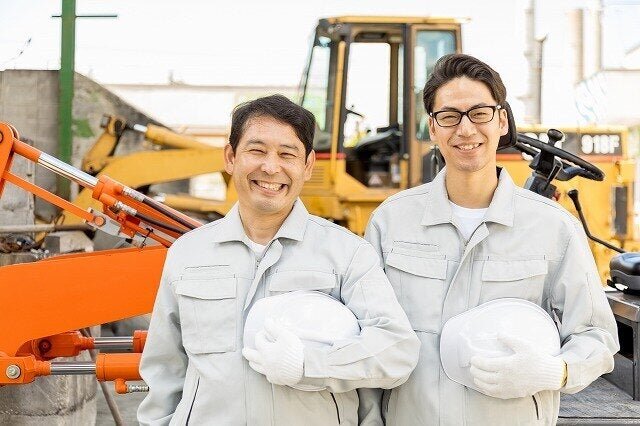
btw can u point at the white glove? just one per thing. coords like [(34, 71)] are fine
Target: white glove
[(279, 354), (525, 372)]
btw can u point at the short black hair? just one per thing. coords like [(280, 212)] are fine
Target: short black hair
[(459, 65), (280, 109)]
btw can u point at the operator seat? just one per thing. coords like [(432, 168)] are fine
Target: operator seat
[(373, 154), (385, 142)]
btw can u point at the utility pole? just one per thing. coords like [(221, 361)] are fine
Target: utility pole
[(65, 102), (65, 78), (539, 75)]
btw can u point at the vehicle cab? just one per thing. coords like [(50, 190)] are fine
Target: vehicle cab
[(365, 89)]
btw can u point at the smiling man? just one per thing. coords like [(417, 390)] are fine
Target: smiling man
[(268, 245), (471, 236)]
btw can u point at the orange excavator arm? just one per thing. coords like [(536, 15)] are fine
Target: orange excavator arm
[(43, 304)]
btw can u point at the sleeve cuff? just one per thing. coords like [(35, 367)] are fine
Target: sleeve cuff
[(314, 374), (315, 363), (573, 376)]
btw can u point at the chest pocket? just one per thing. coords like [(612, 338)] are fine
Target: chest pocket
[(207, 305), (418, 279), (523, 279), (285, 281)]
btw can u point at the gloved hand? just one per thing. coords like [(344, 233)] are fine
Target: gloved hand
[(523, 373), (279, 354)]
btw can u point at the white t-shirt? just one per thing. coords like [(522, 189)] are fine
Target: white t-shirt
[(468, 219), (258, 249)]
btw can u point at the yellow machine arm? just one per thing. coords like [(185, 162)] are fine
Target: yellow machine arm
[(187, 158), (101, 153)]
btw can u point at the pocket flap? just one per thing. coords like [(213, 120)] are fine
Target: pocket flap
[(512, 270), (302, 280), (207, 288), (421, 266)]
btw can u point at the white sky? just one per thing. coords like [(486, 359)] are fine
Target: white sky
[(211, 42), (251, 42)]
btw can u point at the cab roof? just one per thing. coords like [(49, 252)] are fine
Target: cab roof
[(393, 20)]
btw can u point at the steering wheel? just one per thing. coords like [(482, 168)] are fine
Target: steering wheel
[(351, 111), (571, 165)]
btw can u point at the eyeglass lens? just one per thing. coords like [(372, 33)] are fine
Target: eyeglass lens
[(477, 115)]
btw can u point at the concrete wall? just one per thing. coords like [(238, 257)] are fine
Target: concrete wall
[(28, 101), (60, 400)]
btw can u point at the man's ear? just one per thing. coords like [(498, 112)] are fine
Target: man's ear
[(432, 128), (229, 159), (504, 122), (308, 167)]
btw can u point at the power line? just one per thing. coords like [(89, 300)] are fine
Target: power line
[(24, 47)]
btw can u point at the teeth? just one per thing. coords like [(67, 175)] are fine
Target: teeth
[(271, 186), (468, 147)]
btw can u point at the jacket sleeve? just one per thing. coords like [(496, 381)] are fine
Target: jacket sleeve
[(386, 351), (588, 329), (164, 361)]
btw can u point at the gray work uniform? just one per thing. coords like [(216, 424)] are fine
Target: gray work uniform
[(527, 247), (192, 360)]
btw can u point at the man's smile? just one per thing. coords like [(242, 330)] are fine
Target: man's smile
[(269, 186), (467, 147)]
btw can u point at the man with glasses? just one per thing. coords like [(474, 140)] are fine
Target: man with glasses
[(471, 236)]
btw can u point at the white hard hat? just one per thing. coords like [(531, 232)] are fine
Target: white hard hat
[(315, 317), (475, 332)]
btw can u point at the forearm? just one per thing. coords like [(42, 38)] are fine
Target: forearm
[(588, 356), (381, 357), (385, 352)]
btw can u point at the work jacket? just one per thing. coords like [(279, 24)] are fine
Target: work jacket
[(192, 359), (527, 247)]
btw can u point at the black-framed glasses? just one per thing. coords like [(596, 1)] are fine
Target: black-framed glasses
[(477, 115)]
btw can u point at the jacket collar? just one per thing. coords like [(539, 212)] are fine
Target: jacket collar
[(231, 229), (501, 208)]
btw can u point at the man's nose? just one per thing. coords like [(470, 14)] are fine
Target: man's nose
[(466, 127), (271, 164)]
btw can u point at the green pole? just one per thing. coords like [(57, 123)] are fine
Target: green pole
[(65, 107)]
